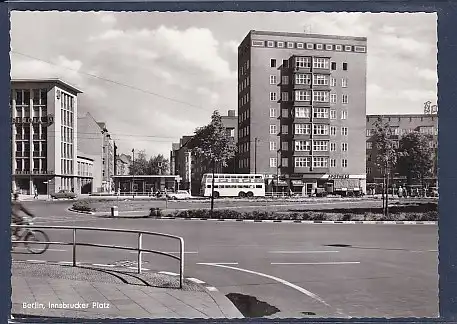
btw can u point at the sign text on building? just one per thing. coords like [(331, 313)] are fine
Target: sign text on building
[(429, 108), (338, 176)]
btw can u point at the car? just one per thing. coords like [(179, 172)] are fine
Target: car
[(63, 194), (180, 194)]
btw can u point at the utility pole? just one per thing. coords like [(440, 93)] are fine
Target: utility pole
[(133, 173), (255, 155)]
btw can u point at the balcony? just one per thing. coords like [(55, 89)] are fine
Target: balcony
[(306, 103), (322, 71), (321, 87), (300, 69), (320, 104), (301, 86)]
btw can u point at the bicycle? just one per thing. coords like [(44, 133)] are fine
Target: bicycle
[(26, 235)]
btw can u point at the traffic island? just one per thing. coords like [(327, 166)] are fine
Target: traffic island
[(398, 213), (49, 290)]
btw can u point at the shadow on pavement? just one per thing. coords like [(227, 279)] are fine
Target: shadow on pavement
[(250, 306), (365, 248)]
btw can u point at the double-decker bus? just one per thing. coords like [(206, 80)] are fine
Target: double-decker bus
[(233, 185)]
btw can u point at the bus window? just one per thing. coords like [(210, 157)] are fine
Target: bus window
[(208, 186), (258, 186), (216, 186)]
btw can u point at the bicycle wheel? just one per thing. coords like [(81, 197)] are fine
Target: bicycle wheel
[(37, 236)]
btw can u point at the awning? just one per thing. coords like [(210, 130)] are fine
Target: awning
[(280, 183), (297, 183)]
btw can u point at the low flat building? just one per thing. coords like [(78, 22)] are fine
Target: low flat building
[(145, 184), (85, 175)]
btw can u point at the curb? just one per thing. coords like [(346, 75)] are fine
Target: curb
[(194, 280), (302, 221), (79, 211)]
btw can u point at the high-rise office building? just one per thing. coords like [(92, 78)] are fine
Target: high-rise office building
[(44, 137), (302, 109)]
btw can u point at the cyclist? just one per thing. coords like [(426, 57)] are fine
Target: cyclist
[(17, 208)]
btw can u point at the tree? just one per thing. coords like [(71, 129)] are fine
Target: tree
[(139, 165), (416, 157), (386, 157), (158, 165), (213, 145)]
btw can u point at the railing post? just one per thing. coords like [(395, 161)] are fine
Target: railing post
[(140, 246), (74, 247), (181, 262)]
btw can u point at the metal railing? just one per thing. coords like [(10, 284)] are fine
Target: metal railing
[(139, 249)]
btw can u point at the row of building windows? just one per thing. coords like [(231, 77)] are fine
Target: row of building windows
[(67, 102), (303, 95), (308, 46), (84, 169), (37, 111), (426, 130), (307, 162), (305, 129), (305, 79), (66, 134), (301, 112), (396, 144), (308, 62), (38, 165), (22, 97), (245, 67), (66, 166), (67, 118), (301, 146), (66, 150)]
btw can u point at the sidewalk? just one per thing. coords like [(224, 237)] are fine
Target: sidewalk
[(49, 290)]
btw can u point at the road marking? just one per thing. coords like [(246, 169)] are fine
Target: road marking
[(284, 282), (285, 252), (315, 263), (186, 252), (103, 265), (136, 268), (196, 280), (169, 273), (224, 263), (212, 288), (54, 250)]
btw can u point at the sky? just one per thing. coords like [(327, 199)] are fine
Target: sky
[(154, 77)]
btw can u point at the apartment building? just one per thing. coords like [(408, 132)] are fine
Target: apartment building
[(190, 168), (302, 109), (44, 137), (400, 124), (95, 141)]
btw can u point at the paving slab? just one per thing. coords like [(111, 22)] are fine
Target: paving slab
[(49, 290)]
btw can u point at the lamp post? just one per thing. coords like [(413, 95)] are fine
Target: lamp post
[(133, 173)]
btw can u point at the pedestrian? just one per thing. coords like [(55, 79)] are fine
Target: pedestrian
[(400, 192), (35, 193)]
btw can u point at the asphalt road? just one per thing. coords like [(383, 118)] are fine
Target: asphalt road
[(386, 271)]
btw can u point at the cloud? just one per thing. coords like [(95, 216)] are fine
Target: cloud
[(108, 19), (193, 47), (60, 67), (232, 46), (427, 74)]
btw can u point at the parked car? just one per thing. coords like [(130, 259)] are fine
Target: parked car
[(63, 194), (180, 194)]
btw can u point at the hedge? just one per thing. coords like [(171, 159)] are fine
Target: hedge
[(83, 205), (304, 216)]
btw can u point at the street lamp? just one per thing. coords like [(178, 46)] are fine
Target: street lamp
[(133, 173)]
